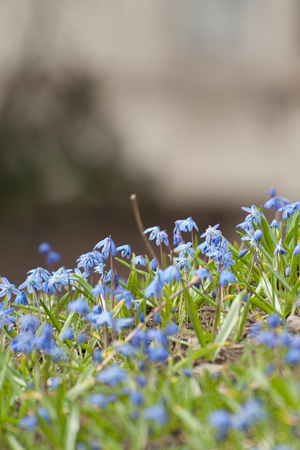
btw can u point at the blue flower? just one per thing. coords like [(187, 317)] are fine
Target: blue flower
[(267, 338), (28, 422), (258, 235), (153, 232), (33, 283), (89, 260), (122, 323), (188, 224), (97, 400), (279, 249), (170, 274), (226, 277), (185, 263), (156, 413), (210, 232), (68, 334), (101, 289), (29, 323), (8, 289), (171, 329), (156, 318), (55, 382), (97, 355), (255, 215), (221, 421), (137, 398), (154, 264), (157, 354), (23, 343), (274, 225), (81, 338), (43, 414), (185, 250), (243, 252), (154, 288), (113, 375), (44, 248), (293, 356), (249, 415), (247, 225), (105, 319), (4, 320), (125, 250), (57, 280), (79, 305), (202, 274), (157, 335), (274, 320), (121, 294), (297, 250), (108, 247), (139, 260), (53, 258)]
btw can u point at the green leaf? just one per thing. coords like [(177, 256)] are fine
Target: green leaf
[(229, 322), (72, 427), (52, 316), (13, 443), (279, 277), (193, 315), (67, 323)]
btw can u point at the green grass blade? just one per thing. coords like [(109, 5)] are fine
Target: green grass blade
[(193, 315)]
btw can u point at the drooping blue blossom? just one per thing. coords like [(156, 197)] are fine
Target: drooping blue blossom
[(243, 252), (156, 413), (279, 249), (153, 232), (107, 279), (258, 235), (21, 299), (171, 329), (79, 305), (44, 248), (268, 338), (122, 323), (89, 260), (249, 415), (141, 317), (97, 355), (58, 355), (273, 320), (100, 269), (157, 354), (156, 318), (28, 422), (210, 232), (155, 287), (177, 237), (113, 375), (202, 274), (82, 338), (220, 420), (226, 277), (274, 225), (7, 289), (55, 382), (101, 289), (68, 334), (275, 201), (185, 263), (157, 335), (185, 250), (29, 323), (254, 214), (4, 315), (126, 350), (57, 280), (98, 400), (32, 283), (105, 319), (108, 247), (247, 225), (129, 301), (170, 274), (139, 261), (154, 264), (52, 258), (125, 251), (297, 250), (23, 343), (137, 398), (292, 357), (188, 224), (43, 414)]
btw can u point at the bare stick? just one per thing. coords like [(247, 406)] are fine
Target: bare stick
[(195, 280), (139, 223)]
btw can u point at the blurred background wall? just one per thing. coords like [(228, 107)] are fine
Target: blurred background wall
[(192, 104)]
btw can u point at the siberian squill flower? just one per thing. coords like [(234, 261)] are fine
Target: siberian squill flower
[(155, 287), (188, 224), (226, 277), (108, 247), (279, 249), (274, 225), (139, 260), (4, 313), (202, 274), (101, 289), (170, 274), (220, 420), (33, 283), (44, 248), (185, 263), (29, 323), (156, 413), (185, 250), (52, 258), (210, 232), (123, 323), (125, 251), (79, 305), (8, 289), (297, 250), (105, 318), (113, 375), (89, 260), (254, 214), (276, 202)]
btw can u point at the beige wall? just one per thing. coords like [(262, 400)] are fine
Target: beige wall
[(213, 122)]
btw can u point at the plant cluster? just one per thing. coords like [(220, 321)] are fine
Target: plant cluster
[(90, 361)]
